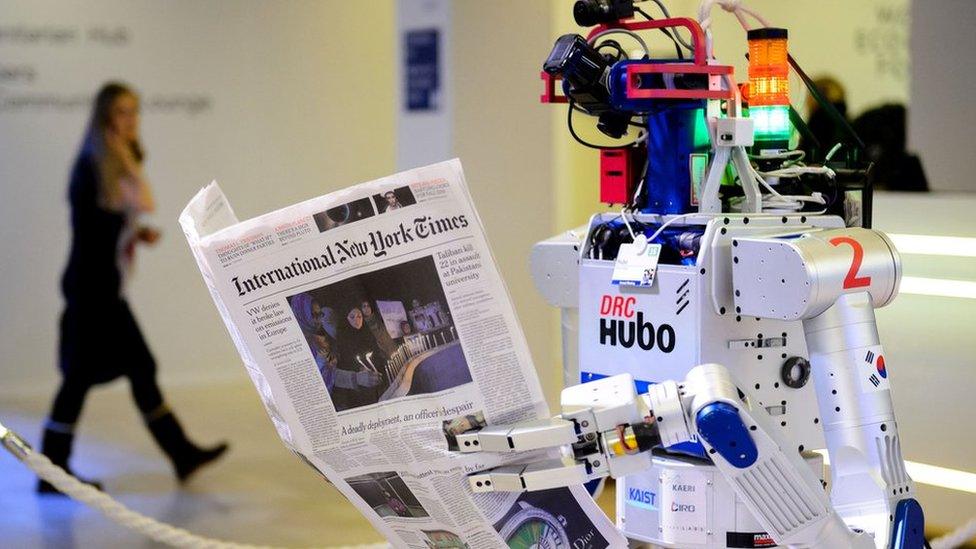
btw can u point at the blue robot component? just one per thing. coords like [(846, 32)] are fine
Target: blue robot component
[(721, 426), (909, 525), (671, 140), (670, 143)]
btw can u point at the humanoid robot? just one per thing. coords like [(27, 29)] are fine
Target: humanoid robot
[(724, 320)]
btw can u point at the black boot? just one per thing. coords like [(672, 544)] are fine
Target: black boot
[(186, 456), (56, 445)]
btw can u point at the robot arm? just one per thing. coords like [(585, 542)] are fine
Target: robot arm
[(833, 281), (610, 431)]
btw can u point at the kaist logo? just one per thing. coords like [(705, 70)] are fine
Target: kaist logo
[(630, 326), (644, 499)]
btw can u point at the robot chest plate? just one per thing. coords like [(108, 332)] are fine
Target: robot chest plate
[(661, 332)]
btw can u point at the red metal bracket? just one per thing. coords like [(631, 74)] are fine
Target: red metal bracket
[(698, 66), (697, 34), (635, 92), (549, 94)]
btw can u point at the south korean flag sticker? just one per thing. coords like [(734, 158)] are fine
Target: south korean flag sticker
[(874, 372)]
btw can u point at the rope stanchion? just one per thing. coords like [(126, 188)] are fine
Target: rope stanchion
[(117, 512)]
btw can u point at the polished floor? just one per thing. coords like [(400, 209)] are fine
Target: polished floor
[(260, 493)]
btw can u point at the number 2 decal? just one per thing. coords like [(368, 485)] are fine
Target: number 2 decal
[(852, 280)]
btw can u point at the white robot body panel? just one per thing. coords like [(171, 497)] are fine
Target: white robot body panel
[(554, 264), (802, 275), (696, 326), (692, 313), (691, 316), (690, 505)]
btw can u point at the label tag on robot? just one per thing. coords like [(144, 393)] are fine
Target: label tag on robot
[(684, 507), (636, 263)]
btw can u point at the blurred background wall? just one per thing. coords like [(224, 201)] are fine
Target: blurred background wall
[(942, 78), (277, 101), (502, 135), (287, 100)]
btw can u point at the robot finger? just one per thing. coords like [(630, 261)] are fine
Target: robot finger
[(520, 437), (540, 475)]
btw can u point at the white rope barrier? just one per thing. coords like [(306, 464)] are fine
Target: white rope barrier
[(117, 512), (957, 537)]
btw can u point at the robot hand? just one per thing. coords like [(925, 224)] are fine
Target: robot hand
[(606, 429)]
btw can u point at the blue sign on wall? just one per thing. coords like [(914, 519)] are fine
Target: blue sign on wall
[(422, 69)]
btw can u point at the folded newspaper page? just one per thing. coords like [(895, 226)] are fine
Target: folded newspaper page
[(375, 327)]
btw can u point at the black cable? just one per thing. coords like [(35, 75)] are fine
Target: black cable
[(677, 45), (595, 233), (926, 542), (581, 141), (836, 187), (615, 45), (635, 200), (667, 15)]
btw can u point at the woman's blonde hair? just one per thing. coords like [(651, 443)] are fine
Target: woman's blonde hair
[(110, 166)]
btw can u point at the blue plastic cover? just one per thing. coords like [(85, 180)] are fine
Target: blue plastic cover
[(720, 425), (671, 127), (909, 522)]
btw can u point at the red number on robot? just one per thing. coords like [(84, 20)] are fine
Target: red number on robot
[(852, 280)]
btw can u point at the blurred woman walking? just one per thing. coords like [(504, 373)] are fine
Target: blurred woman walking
[(100, 340)]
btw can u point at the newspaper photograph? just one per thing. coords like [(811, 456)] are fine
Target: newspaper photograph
[(375, 327), (381, 340)]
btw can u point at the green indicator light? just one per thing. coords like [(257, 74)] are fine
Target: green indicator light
[(701, 138), (771, 123)]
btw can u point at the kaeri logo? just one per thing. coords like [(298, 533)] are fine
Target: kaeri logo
[(631, 327), (645, 499)]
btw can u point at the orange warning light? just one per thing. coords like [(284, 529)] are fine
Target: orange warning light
[(769, 82)]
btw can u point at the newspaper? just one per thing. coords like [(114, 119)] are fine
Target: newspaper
[(375, 327)]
